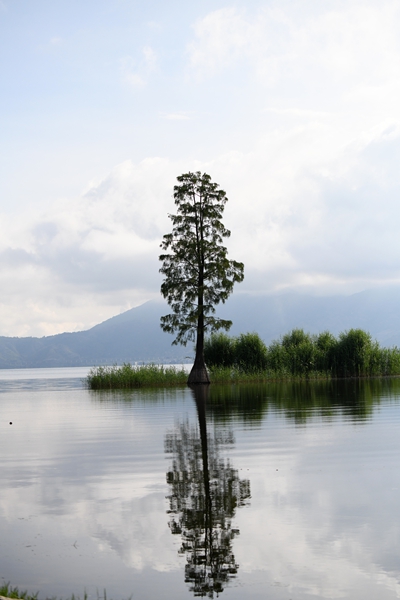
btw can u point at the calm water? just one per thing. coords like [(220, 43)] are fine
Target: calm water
[(272, 491)]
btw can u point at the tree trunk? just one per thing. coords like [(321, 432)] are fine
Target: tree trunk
[(199, 373)]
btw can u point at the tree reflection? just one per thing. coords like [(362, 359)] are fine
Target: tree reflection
[(205, 492)]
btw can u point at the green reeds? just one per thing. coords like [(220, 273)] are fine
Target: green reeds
[(299, 355), (8, 591), (13, 592), (239, 375), (296, 356), (130, 377)]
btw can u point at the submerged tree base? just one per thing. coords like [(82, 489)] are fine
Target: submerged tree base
[(198, 375)]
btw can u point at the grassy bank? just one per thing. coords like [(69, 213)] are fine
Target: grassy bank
[(131, 377)]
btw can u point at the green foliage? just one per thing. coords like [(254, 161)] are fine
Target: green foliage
[(198, 274), (354, 354), (250, 352), (129, 377), (219, 350), (247, 352), (325, 346), (300, 355), (299, 352), (245, 358), (8, 591)]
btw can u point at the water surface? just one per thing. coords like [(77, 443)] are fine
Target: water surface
[(265, 491)]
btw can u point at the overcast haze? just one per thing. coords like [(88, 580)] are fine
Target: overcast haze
[(293, 107)]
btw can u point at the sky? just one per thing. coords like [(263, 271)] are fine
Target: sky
[(292, 107)]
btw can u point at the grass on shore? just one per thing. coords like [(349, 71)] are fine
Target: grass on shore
[(131, 377), (13, 592), (8, 591)]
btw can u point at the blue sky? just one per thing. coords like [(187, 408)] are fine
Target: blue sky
[(292, 107)]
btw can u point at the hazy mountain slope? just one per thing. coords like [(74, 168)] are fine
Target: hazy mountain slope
[(132, 336), (136, 335), (376, 311)]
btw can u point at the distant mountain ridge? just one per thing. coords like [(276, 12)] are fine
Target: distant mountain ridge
[(136, 336)]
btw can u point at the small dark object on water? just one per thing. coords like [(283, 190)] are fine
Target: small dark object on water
[(10, 422)]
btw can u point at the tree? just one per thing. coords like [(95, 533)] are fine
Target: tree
[(198, 274)]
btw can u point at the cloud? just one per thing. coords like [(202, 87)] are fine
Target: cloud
[(137, 72), (102, 243), (324, 219), (176, 117), (330, 44), (297, 117)]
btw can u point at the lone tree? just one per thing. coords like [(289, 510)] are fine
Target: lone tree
[(198, 274)]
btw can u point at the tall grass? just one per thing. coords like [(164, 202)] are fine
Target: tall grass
[(130, 377), (299, 355), (7, 591)]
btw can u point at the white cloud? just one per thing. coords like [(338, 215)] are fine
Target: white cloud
[(297, 117), (137, 72), (176, 117), (338, 42), (300, 215)]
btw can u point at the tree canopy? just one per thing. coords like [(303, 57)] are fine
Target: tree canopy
[(198, 274)]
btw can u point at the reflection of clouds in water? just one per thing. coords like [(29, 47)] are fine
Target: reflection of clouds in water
[(315, 524), (135, 529), (137, 532), (323, 524), (282, 543)]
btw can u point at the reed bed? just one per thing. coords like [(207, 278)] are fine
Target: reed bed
[(246, 359), (13, 592), (130, 377), (299, 355), (239, 375), (7, 591)]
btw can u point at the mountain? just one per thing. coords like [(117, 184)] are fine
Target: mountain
[(136, 336), (376, 311)]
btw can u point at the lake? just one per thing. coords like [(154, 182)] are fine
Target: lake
[(279, 491)]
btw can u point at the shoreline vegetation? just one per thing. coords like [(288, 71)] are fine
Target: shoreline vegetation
[(130, 376), (13, 593), (246, 359)]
